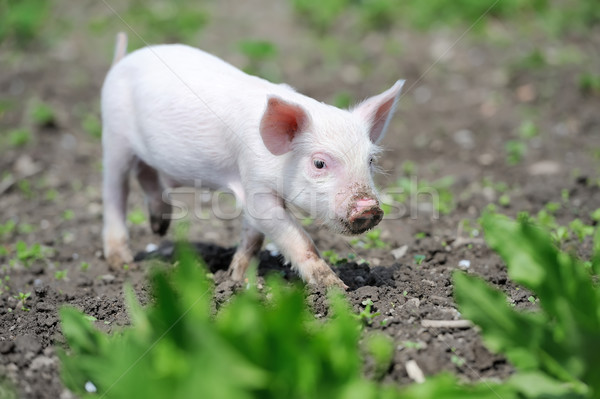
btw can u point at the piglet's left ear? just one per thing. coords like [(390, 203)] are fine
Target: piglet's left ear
[(378, 110)]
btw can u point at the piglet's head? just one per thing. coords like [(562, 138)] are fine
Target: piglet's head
[(328, 156)]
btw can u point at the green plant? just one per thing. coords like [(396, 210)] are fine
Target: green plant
[(412, 190), (504, 200), (43, 114), (61, 274), (22, 19), (68, 214), (137, 216), (320, 14), (528, 130), (366, 315), (334, 258), (556, 343), (252, 348), (580, 229), (419, 259), (22, 297), (19, 138), (589, 83), (7, 229), (515, 151), (91, 125), (370, 240), (28, 254)]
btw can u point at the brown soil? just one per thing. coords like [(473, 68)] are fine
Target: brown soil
[(454, 120)]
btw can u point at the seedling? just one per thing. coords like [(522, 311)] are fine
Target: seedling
[(412, 345), (504, 200), (370, 240), (19, 138), (515, 151), (7, 228), (24, 186), (553, 207), (342, 100), (413, 190), (580, 229), (595, 215), (528, 130), (22, 297), (60, 274), (366, 316), (137, 217), (27, 255), (334, 258), (68, 215), (84, 266), (419, 259), (531, 299), (457, 360), (421, 235), (43, 115), (91, 125), (590, 83), (564, 193)]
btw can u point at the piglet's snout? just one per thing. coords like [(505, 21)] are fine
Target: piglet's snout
[(364, 215)]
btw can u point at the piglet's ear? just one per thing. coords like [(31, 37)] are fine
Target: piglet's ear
[(280, 123), (378, 110)]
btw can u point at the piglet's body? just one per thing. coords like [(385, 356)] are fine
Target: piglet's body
[(178, 116)]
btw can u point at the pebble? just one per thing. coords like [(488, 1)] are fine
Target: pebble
[(464, 263), (545, 168), (465, 139), (107, 278), (151, 247), (485, 159), (90, 387), (399, 252)]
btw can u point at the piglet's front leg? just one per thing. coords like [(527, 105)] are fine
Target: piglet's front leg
[(267, 214)]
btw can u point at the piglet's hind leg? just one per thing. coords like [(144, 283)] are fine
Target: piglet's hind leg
[(117, 162)]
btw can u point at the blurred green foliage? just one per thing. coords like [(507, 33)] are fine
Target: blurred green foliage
[(257, 346), (560, 340), (555, 16), (21, 20)]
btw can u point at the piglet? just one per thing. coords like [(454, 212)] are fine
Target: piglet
[(178, 116)]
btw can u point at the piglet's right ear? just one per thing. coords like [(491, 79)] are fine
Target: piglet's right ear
[(280, 123)]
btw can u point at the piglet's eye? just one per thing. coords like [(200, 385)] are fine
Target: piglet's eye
[(319, 164)]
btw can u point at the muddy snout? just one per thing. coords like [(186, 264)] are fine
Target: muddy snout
[(364, 214)]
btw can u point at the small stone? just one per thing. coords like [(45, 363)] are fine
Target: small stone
[(465, 139), (107, 278), (485, 159), (151, 247), (464, 263), (90, 387), (399, 252), (526, 93), (545, 168)]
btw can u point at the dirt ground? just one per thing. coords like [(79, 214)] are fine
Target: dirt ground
[(466, 97)]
